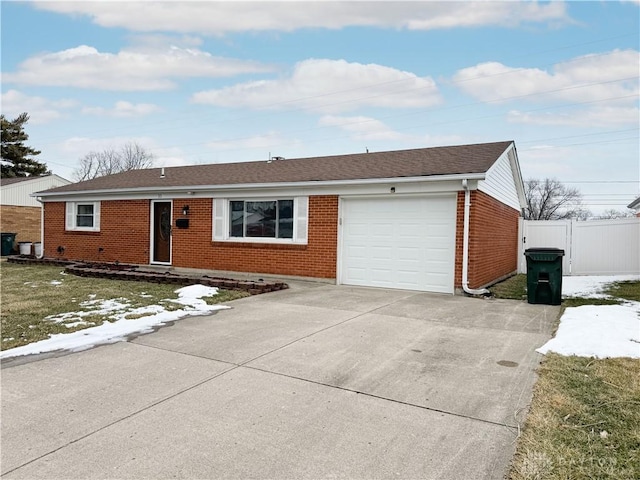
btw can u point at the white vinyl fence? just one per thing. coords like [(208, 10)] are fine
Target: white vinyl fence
[(595, 247)]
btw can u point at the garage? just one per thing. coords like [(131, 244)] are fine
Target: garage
[(405, 242)]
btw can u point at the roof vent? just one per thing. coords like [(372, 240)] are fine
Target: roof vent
[(277, 158), (162, 172)]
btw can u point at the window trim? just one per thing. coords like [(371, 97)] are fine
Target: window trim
[(72, 217), (221, 224), (246, 225)]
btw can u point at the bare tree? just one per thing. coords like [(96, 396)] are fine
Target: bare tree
[(131, 156), (134, 157), (549, 199), (612, 213)]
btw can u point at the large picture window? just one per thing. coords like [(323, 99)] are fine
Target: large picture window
[(83, 216), (261, 219)]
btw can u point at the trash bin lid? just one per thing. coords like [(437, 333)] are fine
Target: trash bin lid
[(557, 251)]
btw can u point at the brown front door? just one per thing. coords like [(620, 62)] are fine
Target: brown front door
[(162, 232)]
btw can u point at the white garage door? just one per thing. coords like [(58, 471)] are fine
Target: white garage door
[(399, 242)]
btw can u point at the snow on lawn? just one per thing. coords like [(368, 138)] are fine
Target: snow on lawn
[(590, 286), (599, 331), (125, 324)]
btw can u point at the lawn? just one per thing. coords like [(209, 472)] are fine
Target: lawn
[(584, 420), (32, 295)]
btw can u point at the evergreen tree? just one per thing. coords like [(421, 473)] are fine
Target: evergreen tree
[(17, 158)]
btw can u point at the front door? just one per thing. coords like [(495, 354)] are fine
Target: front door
[(161, 232)]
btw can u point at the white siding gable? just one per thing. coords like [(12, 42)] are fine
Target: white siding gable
[(500, 181), (18, 194)]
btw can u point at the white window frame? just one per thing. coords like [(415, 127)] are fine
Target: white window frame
[(222, 225), (72, 217)]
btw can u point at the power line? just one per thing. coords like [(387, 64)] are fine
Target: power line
[(413, 78)]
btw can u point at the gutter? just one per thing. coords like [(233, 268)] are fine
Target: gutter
[(45, 195), (465, 245)]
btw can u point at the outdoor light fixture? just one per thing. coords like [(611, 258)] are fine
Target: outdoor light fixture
[(185, 210)]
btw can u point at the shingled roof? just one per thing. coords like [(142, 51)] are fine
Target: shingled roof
[(12, 180), (421, 162)]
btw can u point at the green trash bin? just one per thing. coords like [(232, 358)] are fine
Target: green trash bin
[(544, 275), (8, 239)]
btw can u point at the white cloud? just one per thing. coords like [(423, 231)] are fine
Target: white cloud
[(123, 109), (133, 69), (541, 161), (329, 86), (609, 81), (590, 77), (265, 140), (76, 147), (595, 117), (41, 110), (218, 18), (160, 41), (362, 128), (475, 14), (373, 130)]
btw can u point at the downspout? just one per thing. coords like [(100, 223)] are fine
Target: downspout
[(465, 245), (41, 228)]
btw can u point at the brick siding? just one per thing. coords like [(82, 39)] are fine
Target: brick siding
[(25, 221), (123, 235), (493, 240), (193, 247), (125, 230)]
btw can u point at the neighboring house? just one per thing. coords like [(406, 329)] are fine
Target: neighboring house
[(20, 212), (431, 219), (635, 205)]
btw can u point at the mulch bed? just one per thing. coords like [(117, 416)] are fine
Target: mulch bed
[(120, 271)]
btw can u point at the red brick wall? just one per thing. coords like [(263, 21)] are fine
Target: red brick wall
[(194, 248), (124, 236), (493, 240)]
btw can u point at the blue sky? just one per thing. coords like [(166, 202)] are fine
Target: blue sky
[(206, 82)]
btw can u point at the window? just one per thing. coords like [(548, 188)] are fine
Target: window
[(270, 219), (261, 220), (83, 216)]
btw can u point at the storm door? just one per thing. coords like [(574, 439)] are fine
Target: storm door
[(161, 232)]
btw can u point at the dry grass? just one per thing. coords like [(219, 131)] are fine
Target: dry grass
[(627, 290), (513, 288), (584, 421), (30, 293)]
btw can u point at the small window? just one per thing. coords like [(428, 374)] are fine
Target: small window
[(261, 219), (84, 216)]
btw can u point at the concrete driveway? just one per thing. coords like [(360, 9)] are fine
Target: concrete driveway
[(318, 381)]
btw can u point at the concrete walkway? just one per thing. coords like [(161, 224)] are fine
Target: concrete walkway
[(317, 381)]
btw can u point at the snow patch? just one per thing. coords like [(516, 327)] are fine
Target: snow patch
[(590, 286), (601, 331), (110, 332)]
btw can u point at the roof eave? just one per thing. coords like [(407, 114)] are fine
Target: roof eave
[(251, 186)]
